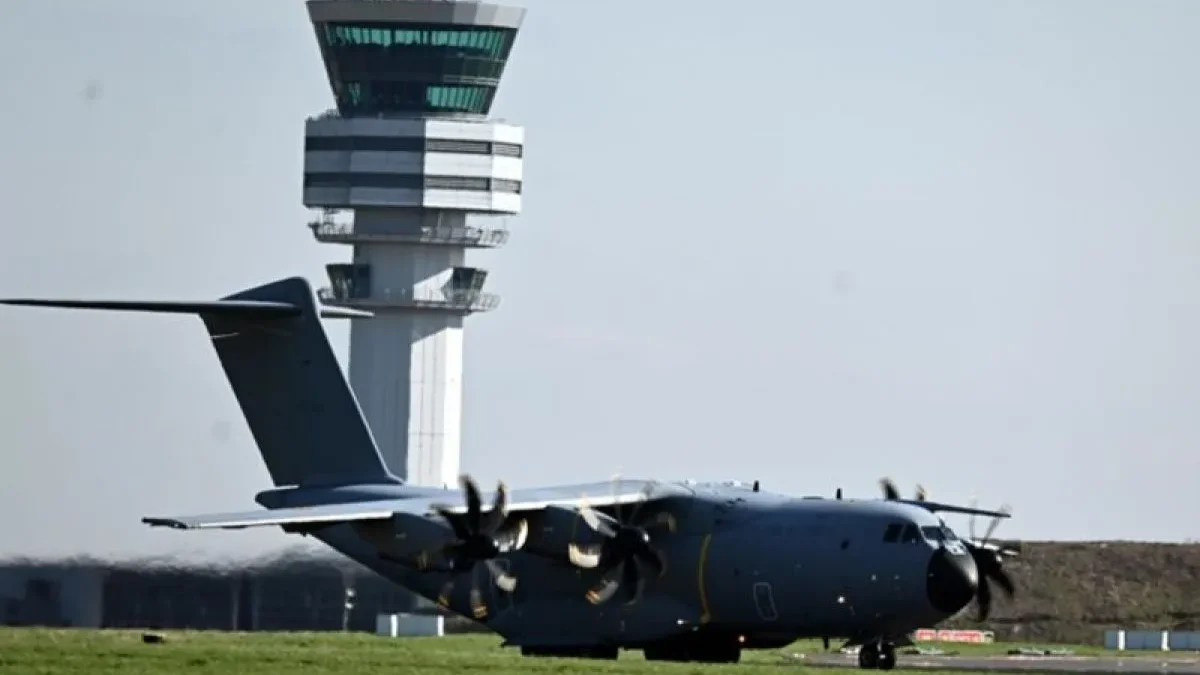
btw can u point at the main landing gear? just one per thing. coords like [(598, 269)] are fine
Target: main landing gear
[(708, 648), (877, 655), (603, 652), (701, 647), (695, 652)]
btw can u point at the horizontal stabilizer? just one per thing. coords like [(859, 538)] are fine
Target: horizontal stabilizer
[(330, 514), (248, 309), (344, 313)]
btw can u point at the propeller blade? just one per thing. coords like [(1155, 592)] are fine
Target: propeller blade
[(652, 559), (479, 609), (593, 520), (631, 579), (443, 597), (607, 586), (616, 490), (663, 519), (512, 539), (474, 502), (499, 512), (501, 501), (889, 489), (1001, 577), (586, 556), (984, 597), (460, 528), (971, 520), (643, 496), (1004, 508), (503, 580)]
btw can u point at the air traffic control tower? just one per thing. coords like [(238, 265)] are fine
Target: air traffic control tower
[(410, 172)]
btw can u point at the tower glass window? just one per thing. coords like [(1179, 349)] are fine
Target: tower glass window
[(414, 68)]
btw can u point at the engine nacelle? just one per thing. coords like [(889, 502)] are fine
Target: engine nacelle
[(554, 528), (403, 536)]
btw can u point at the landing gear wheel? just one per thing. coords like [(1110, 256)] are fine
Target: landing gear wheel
[(695, 651), (887, 656), (868, 656), (718, 653), (603, 652)]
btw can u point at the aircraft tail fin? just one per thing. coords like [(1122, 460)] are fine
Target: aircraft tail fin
[(293, 394)]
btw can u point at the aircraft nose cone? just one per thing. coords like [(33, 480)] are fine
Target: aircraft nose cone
[(951, 581)]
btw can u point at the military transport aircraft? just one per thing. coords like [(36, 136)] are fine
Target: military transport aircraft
[(682, 571)]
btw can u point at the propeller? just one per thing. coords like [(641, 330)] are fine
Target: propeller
[(480, 536), (625, 552), (989, 558), (891, 492)]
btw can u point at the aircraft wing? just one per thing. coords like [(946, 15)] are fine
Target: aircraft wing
[(326, 514), (936, 507), (596, 495), (453, 501)]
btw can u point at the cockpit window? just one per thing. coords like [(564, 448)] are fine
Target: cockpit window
[(892, 534), (910, 535), (937, 533)]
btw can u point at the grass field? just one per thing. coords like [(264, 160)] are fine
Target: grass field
[(31, 650)]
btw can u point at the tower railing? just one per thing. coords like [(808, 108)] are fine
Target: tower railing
[(459, 300), (327, 230), (334, 113)]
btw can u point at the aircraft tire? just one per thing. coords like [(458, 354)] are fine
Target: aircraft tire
[(868, 656), (601, 652), (887, 656), (694, 651), (666, 652)]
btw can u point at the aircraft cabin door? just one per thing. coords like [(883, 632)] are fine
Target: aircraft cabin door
[(764, 601)]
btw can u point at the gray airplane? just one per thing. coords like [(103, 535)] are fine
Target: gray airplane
[(683, 571)]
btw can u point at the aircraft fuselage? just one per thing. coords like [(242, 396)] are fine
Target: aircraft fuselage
[(763, 567)]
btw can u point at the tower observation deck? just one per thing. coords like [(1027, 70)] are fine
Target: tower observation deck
[(409, 172)]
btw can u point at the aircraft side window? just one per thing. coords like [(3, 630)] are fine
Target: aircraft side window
[(892, 534), (911, 536)]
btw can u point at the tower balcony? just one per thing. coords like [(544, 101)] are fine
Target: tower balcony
[(329, 231), (463, 301)]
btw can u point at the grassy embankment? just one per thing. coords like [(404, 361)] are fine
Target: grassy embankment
[(1072, 592)]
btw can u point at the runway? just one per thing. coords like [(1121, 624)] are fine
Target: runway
[(1136, 665)]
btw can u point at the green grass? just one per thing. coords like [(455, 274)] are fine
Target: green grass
[(32, 650)]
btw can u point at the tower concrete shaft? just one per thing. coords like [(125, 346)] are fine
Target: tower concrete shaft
[(410, 173)]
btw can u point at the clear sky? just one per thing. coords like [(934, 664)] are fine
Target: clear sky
[(812, 243)]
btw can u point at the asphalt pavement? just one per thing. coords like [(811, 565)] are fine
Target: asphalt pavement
[(1167, 664)]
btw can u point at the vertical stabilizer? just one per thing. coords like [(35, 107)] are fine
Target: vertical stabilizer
[(295, 398)]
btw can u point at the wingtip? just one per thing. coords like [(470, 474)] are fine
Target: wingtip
[(165, 522), (22, 302)]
